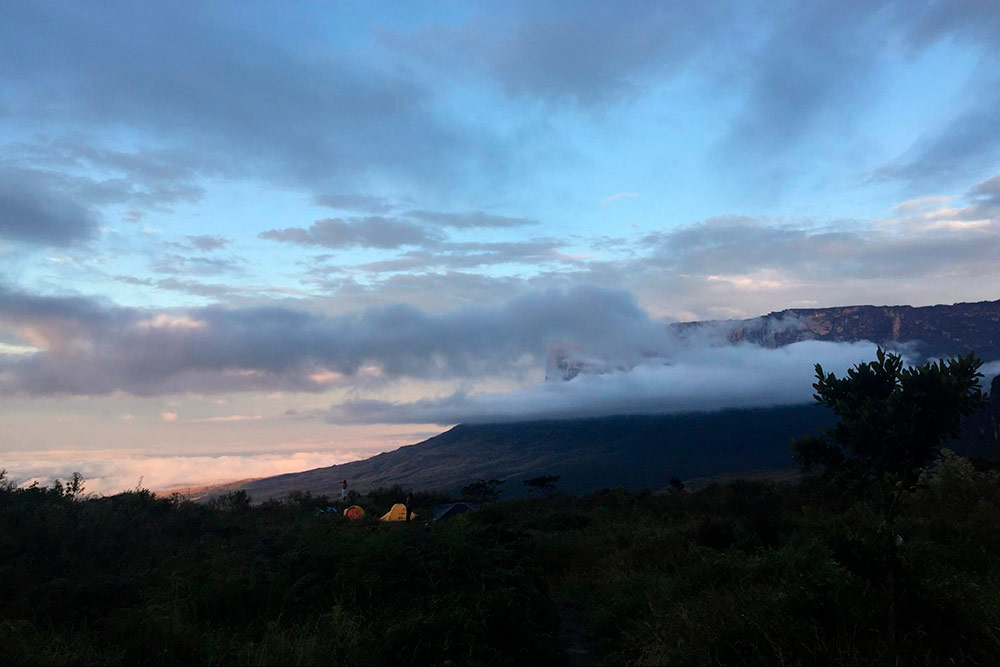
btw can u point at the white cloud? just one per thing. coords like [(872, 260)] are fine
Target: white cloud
[(621, 195), (696, 377)]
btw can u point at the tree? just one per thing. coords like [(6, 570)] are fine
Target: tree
[(892, 422), (73, 488), (545, 485), (482, 490)]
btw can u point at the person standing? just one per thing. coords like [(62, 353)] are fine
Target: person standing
[(409, 505), (343, 491)]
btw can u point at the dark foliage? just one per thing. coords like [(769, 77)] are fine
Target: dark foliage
[(483, 490), (545, 485), (744, 572), (138, 579), (891, 420)]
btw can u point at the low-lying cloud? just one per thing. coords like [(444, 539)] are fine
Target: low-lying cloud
[(111, 471), (698, 378)]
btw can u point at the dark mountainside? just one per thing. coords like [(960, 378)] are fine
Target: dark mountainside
[(937, 330), (634, 452), (637, 452)]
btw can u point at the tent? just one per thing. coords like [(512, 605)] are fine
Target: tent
[(397, 513), (453, 510), (329, 510), (354, 512)]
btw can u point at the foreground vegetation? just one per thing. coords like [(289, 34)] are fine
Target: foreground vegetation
[(745, 572)]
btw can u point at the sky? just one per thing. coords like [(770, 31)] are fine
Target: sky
[(245, 238)]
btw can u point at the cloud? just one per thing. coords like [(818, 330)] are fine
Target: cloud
[(472, 254), (621, 195), (197, 266), (208, 242), (696, 378), (588, 54), (905, 246), (369, 232), (243, 100), (967, 142), (469, 220), (86, 347), (230, 418), (113, 471), (33, 211), (355, 202), (815, 61), (377, 231), (150, 178)]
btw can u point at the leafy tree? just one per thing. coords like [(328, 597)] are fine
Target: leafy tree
[(482, 490), (892, 423), (73, 487), (892, 420), (676, 484), (545, 485), (234, 501)]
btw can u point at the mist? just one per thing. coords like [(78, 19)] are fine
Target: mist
[(699, 377)]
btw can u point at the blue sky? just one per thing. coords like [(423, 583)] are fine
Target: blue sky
[(178, 181)]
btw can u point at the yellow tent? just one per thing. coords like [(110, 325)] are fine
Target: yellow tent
[(397, 513)]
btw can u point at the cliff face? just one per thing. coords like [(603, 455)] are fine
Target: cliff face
[(936, 330)]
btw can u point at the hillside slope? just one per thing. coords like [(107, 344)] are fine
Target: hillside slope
[(635, 452)]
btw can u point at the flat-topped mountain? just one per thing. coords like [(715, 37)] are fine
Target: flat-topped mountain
[(644, 451), (936, 330)]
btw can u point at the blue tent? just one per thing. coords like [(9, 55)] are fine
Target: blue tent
[(452, 510)]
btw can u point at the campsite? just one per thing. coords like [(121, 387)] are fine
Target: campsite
[(730, 574)]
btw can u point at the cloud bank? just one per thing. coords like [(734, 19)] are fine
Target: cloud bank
[(111, 471), (699, 378), (87, 347)]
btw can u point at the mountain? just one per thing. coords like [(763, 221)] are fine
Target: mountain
[(934, 330), (634, 451), (927, 331), (644, 451)]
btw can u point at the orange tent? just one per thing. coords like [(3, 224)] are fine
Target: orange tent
[(354, 512)]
